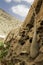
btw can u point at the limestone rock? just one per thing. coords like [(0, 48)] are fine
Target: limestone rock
[(41, 49), (22, 43), (39, 59), (7, 23)]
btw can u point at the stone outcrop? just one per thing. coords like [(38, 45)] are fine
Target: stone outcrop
[(26, 46)]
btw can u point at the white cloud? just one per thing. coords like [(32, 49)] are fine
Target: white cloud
[(21, 10), (30, 1), (17, 0), (8, 1)]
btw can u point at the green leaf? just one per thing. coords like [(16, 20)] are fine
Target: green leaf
[(3, 53), (1, 45)]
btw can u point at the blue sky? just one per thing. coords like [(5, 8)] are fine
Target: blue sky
[(17, 8)]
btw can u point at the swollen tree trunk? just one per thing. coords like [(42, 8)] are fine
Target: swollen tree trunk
[(34, 49)]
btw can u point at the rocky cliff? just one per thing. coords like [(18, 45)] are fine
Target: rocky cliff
[(25, 47), (7, 23)]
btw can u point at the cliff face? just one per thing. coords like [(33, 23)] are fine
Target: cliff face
[(7, 23), (26, 45)]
